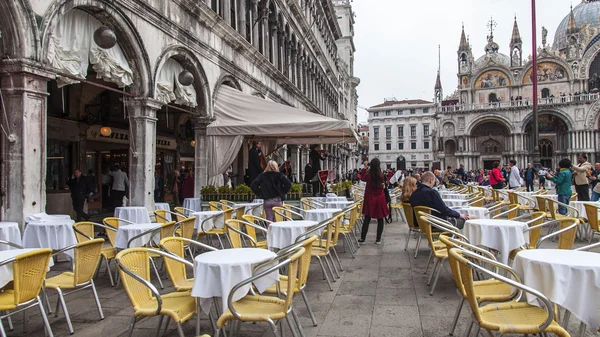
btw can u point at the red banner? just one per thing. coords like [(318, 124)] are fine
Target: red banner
[(323, 175)]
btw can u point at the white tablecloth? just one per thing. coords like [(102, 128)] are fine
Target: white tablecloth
[(454, 202), (501, 235), (46, 217), (214, 222), (217, 272), (165, 206), (9, 231), (579, 205), (455, 196), (332, 198), (6, 271), (134, 214), (319, 215), (250, 206), (283, 234), (125, 233), (57, 235), (477, 212), (568, 278), (195, 204), (338, 204)]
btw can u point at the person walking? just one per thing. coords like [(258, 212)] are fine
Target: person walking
[(175, 188), (120, 182), (374, 204), (542, 178), (595, 179), (581, 173), (529, 177), (315, 156), (563, 180), (187, 185), (496, 178), (271, 186), (80, 189), (254, 161), (514, 176)]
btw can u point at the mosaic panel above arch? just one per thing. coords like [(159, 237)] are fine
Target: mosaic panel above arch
[(547, 72), (492, 79)]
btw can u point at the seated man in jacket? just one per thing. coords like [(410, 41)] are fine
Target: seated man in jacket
[(425, 195)]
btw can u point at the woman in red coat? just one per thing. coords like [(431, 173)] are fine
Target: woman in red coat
[(374, 203)]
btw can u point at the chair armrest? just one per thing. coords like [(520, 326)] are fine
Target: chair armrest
[(122, 220), (548, 307), (555, 233), (244, 235), (56, 252), (150, 231), (247, 223), (186, 210), (472, 247), (145, 283), (506, 212), (294, 208), (293, 213), (315, 229), (8, 243), (199, 244), (204, 221), (171, 256), (167, 211), (588, 247)]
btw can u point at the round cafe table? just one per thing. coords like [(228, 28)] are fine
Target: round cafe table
[(335, 198), (56, 234), (9, 231), (6, 271), (454, 202), (568, 278), (195, 204), (501, 235), (319, 215), (135, 214), (579, 205), (217, 272), (284, 233), (475, 212), (163, 206), (126, 233), (338, 204), (212, 222), (455, 196)]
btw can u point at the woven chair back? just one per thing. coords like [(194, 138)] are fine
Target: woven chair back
[(86, 228), (87, 257), (175, 269), (137, 260), (29, 272)]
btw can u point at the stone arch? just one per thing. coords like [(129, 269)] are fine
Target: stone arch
[(505, 71), (591, 52), (228, 80), (449, 129), (487, 118), (20, 36), (570, 76), (190, 62), (557, 113), (127, 36)]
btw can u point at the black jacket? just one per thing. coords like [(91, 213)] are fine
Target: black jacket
[(315, 160), (254, 168), (80, 187), (426, 196), (269, 185)]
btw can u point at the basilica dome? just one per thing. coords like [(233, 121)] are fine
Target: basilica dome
[(497, 58), (586, 14)]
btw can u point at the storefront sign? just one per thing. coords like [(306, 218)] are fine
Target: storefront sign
[(63, 129), (122, 137)]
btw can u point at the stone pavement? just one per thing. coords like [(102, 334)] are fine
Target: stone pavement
[(382, 292)]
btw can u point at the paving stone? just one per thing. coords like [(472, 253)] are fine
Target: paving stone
[(358, 288)]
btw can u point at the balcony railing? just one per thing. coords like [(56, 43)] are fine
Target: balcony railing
[(523, 103)]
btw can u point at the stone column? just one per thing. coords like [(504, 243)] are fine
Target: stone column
[(241, 17), (254, 23), (201, 154), (23, 163), (142, 148), (295, 161)]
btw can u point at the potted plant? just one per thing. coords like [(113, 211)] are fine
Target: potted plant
[(243, 193), (209, 193), (295, 192)]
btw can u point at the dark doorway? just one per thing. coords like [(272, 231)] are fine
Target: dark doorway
[(400, 163), (493, 98), (545, 93), (487, 164)]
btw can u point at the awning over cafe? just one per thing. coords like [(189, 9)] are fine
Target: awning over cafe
[(240, 114)]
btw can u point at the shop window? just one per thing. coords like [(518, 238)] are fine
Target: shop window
[(376, 147), (400, 146), (425, 145), (59, 167), (413, 145), (388, 146)]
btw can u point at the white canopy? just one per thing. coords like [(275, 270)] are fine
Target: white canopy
[(239, 114)]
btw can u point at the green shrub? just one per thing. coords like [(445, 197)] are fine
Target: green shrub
[(206, 190), (242, 189), (296, 188), (224, 189)]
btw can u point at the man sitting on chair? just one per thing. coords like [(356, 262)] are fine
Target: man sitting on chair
[(425, 195)]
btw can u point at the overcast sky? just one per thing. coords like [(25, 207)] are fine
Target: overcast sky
[(397, 41)]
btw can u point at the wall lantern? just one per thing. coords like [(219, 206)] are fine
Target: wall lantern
[(185, 78), (193, 143), (105, 37), (105, 131)]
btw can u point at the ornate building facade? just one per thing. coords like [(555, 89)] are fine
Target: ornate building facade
[(489, 117), (144, 102)]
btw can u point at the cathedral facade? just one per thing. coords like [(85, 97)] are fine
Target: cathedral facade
[(490, 115)]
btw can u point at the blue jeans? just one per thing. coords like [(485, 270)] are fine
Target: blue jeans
[(595, 196), (565, 200)]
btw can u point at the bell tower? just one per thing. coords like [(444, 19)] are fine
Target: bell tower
[(516, 47), (439, 94)]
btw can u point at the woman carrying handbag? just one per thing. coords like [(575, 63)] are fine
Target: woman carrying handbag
[(374, 203)]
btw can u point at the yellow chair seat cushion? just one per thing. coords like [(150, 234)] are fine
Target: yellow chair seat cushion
[(180, 306), (516, 318), (262, 244), (214, 231), (256, 309), (108, 253), (319, 251), (7, 300), (492, 291), (65, 280)]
